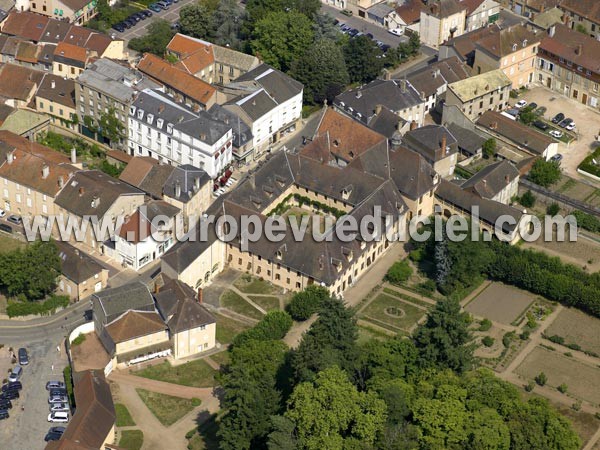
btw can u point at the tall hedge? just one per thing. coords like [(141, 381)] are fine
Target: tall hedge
[(273, 326)]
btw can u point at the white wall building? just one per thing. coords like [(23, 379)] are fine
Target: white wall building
[(173, 134)]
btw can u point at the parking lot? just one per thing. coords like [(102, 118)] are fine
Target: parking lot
[(25, 429), (586, 119)]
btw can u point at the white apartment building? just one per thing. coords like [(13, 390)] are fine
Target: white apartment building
[(173, 134)]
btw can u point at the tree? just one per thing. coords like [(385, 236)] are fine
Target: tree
[(489, 148), (399, 272), (581, 28), (322, 71), (527, 199), (330, 413), (273, 326), (280, 38), (487, 431), (195, 20), (325, 28), (553, 209), (228, 23), (251, 395), (414, 42), (544, 172), (111, 127), (488, 341), (330, 341), (307, 302), (364, 59), (444, 340), (310, 8), (541, 379), (258, 9), (527, 116), (155, 40)]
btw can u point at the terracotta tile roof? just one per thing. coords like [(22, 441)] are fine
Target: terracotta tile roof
[(119, 156), (341, 136), (25, 24), (590, 9), (443, 8), (169, 75), (18, 82), (57, 89), (502, 42), (580, 49), (137, 169), (134, 324), (139, 226), (194, 54), (27, 52), (28, 164), (410, 11), (71, 51), (77, 35), (471, 5)]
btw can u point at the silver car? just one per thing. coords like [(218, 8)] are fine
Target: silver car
[(55, 407), (58, 399)]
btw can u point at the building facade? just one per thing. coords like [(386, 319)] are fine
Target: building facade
[(441, 20)]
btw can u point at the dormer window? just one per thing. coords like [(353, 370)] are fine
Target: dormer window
[(524, 43), (514, 47), (346, 192), (278, 254), (132, 110), (150, 118), (169, 128), (140, 113), (159, 123)]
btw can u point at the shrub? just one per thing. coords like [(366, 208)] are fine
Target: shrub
[(428, 286), (569, 354), (530, 386), (576, 406), (557, 339), (587, 221), (47, 307), (552, 209), (574, 347), (527, 199), (524, 335), (273, 326), (488, 341), (196, 401), (78, 340), (489, 148), (307, 302), (587, 165), (416, 255), (399, 272), (507, 338), (541, 379), (69, 385), (485, 325)]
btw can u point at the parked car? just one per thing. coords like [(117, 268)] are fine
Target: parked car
[(10, 395), (147, 13), (4, 414), (521, 104), (384, 48), (135, 17), (541, 111), (59, 407), (119, 27), (566, 122), (6, 228), (58, 391), (58, 417), (397, 31), (557, 158), (15, 374), (347, 12), (15, 219), (163, 5), (5, 404), (58, 399), (556, 134), (541, 125), (532, 106), (2, 213), (55, 385), (129, 22), (352, 32), (154, 7), (558, 118), (23, 356), (52, 436), (12, 386), (571, 126)]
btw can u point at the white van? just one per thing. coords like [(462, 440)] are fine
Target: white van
[(16, 373), (58, 417)]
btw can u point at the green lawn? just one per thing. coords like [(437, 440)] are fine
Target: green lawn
[(166, 408), (195, 373), (268, 303), (236, 303), (221, 357), (123, 417), (205, 437), (366, 334), (8, 244), (228, 328), (375, 312), (251, 285), (131, 439)]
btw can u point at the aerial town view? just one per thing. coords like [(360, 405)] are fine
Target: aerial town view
[(300, 224)]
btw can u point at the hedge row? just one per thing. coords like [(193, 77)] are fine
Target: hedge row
[(44, 308), (273, 326)]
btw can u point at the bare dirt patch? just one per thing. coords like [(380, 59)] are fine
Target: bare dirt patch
[(501, 303), (583, 253), (576, 327), (582, 379)]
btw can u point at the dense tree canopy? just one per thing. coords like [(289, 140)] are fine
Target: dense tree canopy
[(363, 59), (195, 19), (155, 40), (544, 172)]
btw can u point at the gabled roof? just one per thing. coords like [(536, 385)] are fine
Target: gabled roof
[(410, 11), (194, 54), (169, 75), (429, 140), (590, 9), (478, 85), (27, 52), (467, 140), (75, 265), (503, 42), (387, 123), (443, 8), (429, 79), (138, 227), (169, 296), (58, 90), (571, 45), (135, 324), (131, 296), (488, 182), (137, 169), (189, 315), (92, 193), (18, 82), (25, 24), (71, 54)]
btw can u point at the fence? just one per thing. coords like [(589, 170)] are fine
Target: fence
[(561, 199)]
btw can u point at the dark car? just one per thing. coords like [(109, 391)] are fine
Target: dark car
[(154, 7), (4, 414), (10, 395), (58, 391), (541, 125), (12, 386), (564, 123), (557, 158), (147, 13), (54, 433), (135, 17), (17, 219), (88, 315), (23, 356), (558, 118), (119, 27), (532, 106), (6, 228), (369, 35), (385, 48), (5, 404), (129, 22), (126, 23), (55, 385)]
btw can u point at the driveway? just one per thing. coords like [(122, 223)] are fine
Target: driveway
[(588, 126)]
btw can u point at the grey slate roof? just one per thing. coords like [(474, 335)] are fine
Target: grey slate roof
[(255, 105), (75, 265), (386, 122), (468, 140), (186, 176), (200, 125), (108, 76), (278, 85), (242, 133), (116, 301), (92, 192), (434, 76), (388, 93), (488, 182), (380, 10), (427, 141), (179, 308)]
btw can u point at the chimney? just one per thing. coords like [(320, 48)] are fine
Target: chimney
[(81, 191), (403, 86), (413, 125), (202, 136), (358, 94), (73, 155), (52, 84), (423, 97), (484, 181), (95, 202), (552, 30), (387, 75), (61, 182), (436, 73), (199, 295), (156, 288), (378, 109), (177, 189), (506, 179), (161, 108), (45, 171), (196, 184), (579, 49), (443, 146), (494, 125), (10, 157)]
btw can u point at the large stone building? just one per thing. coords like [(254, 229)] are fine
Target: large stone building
[(583, 15), (442, 20), (568, 63)]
